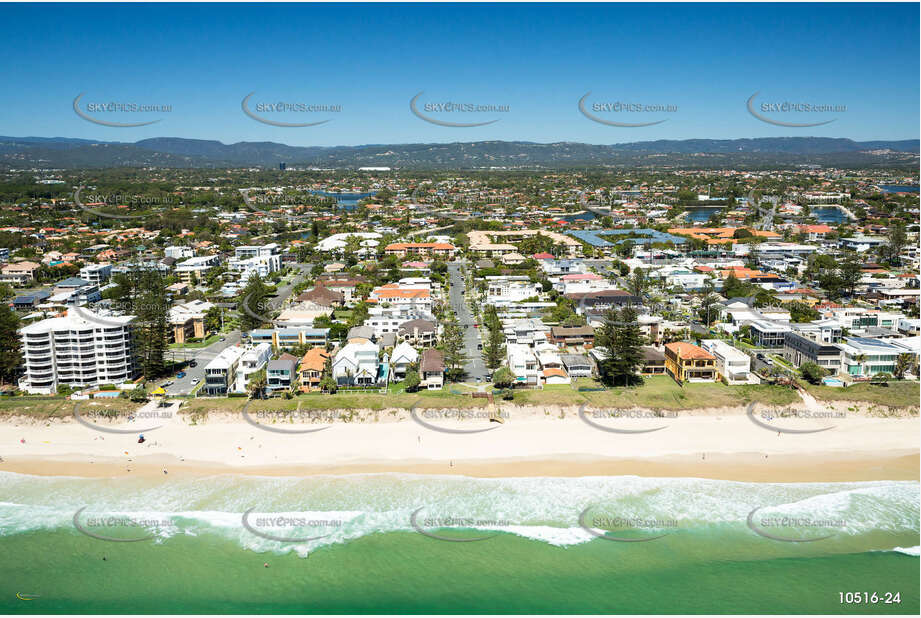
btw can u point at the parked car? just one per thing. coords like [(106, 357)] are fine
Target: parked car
[(195, 381)]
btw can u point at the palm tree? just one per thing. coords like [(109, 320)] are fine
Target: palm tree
[(904, 363), (860, 359), (257, 385)]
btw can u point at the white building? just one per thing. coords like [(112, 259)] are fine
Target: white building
[(221, 372), (523, 363), (79, 349), (96, 273), (196, 266), (580, 283), (251, 251), (338, 242), (529, 332), (403, 356), (253, 360), (178, 253), (262, 265), (732, 364), (356, 363), (506, 290)]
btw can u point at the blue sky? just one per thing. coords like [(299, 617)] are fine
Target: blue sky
[(537, 59)]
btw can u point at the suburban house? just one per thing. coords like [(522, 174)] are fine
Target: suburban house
[(432, 369), (686, 362), (356, 363), (577, 365), (253, 360), (555, 375), (346, 287), (766, 334), (732, 365), (402, 357), (281, 373), (653, 362), (572, 335), (311, 369), (604, 299), (322, 296), (220, 373), (523, 363), (418, 332)]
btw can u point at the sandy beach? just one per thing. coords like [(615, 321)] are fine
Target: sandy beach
[(720, 444)]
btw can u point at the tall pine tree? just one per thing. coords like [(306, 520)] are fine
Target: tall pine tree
[(494, 351), (628, 348), (452, 343), (10, 347), (621, 339)]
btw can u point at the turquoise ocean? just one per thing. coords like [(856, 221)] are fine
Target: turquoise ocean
[(395, 543)]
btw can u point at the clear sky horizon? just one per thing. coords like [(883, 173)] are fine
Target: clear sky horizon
[(702, 62)]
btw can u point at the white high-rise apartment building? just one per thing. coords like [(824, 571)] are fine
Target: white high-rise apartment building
[(80, 349)]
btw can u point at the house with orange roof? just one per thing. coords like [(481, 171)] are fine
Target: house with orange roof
[(815, 232), (686, 362), (418, 299), (311, 369), (721, 235)]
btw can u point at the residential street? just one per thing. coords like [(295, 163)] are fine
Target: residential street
[(475, 366), (203, 356)]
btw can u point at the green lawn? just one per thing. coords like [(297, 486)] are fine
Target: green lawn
[(896, 394)]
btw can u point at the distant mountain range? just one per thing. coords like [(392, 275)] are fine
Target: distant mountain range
[(754, 153)]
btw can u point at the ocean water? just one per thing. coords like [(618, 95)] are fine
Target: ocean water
[(393, 543)]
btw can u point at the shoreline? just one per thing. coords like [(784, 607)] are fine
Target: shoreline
[(742, 467)]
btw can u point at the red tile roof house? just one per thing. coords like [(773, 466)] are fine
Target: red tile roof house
[(815, 232)]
